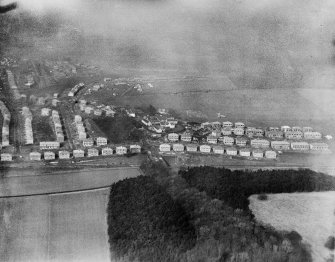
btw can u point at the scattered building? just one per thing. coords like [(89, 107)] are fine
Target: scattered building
[(270, 154), (307, 129), (191, 148), (238, 131), (260, 143), (91, 152), (228, 140), (63, 154), (121, 150), (241, 141), (205, 149), (88, 142), (227, 124), (48, 155), (274, 134), (280, 145), (245, 152), (164, 148), (258, 132), (178, 147), (257, 153), (239, 125), (212, 139), (107, 151), (218, 150), (231, 151), (35, 156), (173, 137), (226, 131), (78, 153), (186, 137), (135, 149), (101, 141), (6, 157), (294, 134), (285, 128)]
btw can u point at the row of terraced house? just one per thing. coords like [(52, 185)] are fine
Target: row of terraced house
[(6, 116)]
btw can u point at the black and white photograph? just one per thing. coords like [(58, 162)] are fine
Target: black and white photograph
[(167, 131)]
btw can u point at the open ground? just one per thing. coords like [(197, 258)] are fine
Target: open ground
[(310, 214), (65, 227)]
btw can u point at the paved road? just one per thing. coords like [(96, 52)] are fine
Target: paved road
[(64, 182)]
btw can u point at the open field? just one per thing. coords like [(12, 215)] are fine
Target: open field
[(54, 183), (67, 227), (310, 214)]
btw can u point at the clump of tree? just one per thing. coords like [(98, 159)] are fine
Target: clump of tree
[(145, 223), (120, 128), (235, 187), (330, 244), (225, 233)]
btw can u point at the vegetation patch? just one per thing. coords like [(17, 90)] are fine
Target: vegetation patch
[(330, 244), (120, 128), (234, 187), (145, 223)]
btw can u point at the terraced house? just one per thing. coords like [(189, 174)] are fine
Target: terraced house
[(280, 145), (173, 137), (300, 146), (274, 134), (228, 140), (312, 135)]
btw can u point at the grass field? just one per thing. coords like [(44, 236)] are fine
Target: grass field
[(68, 227), (310, 214)]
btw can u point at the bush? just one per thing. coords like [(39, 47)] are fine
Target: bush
[(330, 244), (262, 197)]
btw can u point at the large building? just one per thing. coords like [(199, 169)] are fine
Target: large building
[(280, 145), (49, 145), (260, 143), (312, 135), (300, 146), (319, 147)]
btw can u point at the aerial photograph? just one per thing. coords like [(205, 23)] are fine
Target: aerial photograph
[(167, 131)]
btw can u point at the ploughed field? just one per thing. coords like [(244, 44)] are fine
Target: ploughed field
[(66, 227), (310, 214)]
